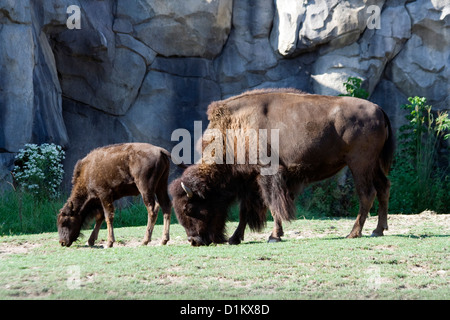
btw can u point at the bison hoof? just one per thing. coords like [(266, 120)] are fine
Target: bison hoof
[(234, 241), (273, 239), (376, 233), (353, 235)]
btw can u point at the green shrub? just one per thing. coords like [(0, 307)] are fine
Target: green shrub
[(419, 176), (353, 88), (38, 170), (32, 204), (333, 197)]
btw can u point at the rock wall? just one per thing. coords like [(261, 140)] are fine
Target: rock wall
[(139, 69)]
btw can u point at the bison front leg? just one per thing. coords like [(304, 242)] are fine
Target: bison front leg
[(98, 223), (238, 235), (279, 198), (108, 209)]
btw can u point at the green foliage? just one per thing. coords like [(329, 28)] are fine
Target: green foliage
[(38, 170), (32, 205), (21, 213), (333, 197), (353, 88), (419, 176)]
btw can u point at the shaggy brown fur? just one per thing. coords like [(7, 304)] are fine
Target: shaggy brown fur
[(110, 173), (318, 136)]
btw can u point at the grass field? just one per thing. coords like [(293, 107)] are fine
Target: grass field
[(314, 261)]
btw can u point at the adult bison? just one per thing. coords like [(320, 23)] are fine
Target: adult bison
[(318, 136), (110, 173)]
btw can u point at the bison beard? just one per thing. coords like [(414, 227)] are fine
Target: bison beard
[(319, 135)]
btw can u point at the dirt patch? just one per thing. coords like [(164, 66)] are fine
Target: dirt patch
[(15, 248), (410, 224), (415, 225)]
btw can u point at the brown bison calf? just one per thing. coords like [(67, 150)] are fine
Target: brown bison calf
[(110, 173)]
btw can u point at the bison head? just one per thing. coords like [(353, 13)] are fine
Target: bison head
[(201, 206), (69, 225)]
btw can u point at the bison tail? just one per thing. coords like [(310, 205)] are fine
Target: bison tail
[(387, 153), (178, 162)]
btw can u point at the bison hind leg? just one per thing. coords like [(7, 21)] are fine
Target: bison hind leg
[(366, 193), (382, 185), (152, 211)]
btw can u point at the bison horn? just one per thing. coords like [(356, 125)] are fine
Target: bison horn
[(186, 189)]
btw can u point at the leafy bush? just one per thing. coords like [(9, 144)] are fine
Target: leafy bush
[(333, 197), (39, 170), (420, 176), (32, 205), (353, 88)]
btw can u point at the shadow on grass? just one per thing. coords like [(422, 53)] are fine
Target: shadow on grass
[(420, 236)]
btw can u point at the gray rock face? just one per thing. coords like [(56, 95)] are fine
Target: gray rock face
[(169, 101), (137, 70), (286, 26), (172, 28), (17, 92), (30, 92), (367, 58), (423, 66)]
